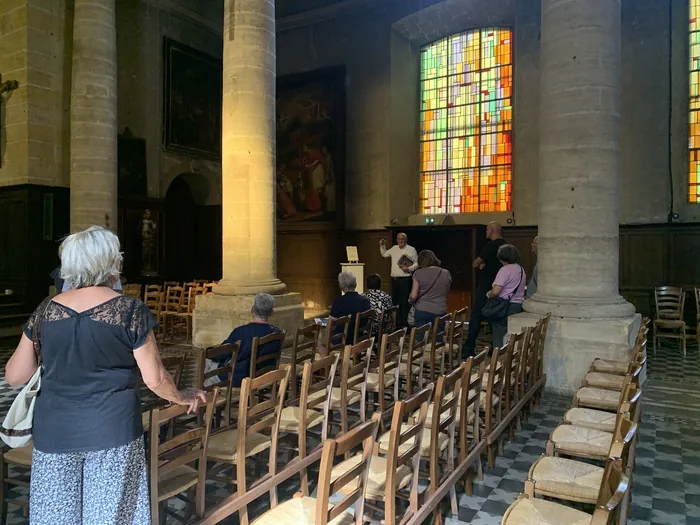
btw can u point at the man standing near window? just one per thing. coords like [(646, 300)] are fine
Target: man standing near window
[(488, 264), (404, 261)]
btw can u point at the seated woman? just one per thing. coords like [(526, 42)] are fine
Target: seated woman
[(509, 284), (349, 303), (263, 306), (431, 284), (378, 299)]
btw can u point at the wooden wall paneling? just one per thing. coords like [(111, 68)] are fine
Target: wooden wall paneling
[(685, 254)]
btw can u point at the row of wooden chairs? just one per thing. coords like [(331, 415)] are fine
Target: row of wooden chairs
[(453, 405), (590, 456)]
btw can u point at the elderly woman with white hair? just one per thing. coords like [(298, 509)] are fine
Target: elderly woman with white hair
[(88, 462), (349, 303), (263, 306)]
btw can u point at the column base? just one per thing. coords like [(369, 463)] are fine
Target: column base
[(215, 316), (572, 344), (271, 286), (580, 308)]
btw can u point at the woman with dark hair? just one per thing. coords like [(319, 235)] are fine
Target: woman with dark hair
[(378, 299), (509, 284), (431, 284)]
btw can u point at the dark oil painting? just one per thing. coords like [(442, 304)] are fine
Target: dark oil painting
[(310, 147), (193, 90)]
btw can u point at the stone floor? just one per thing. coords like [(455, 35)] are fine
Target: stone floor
[(667, 481)]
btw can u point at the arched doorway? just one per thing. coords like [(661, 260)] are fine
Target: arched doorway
[(179, 232)]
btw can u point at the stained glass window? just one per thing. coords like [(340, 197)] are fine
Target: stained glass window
[(694, 116), (466, 120)]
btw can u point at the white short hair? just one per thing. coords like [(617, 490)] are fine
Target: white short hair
[(347, 282), (90, 258), (263, 305)]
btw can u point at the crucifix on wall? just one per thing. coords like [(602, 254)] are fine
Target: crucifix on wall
[(5, 87)]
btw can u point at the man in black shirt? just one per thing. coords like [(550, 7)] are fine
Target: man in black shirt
[(488, 264)]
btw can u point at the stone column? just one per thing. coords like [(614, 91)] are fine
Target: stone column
[(248, 149), (93, 136), (248, 178), (579, 189)]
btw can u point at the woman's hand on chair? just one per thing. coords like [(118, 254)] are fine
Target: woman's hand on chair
[(192, 397)]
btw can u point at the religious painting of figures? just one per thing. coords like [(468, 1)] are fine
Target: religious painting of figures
[(193, 90), (132, 180), (310, 147)]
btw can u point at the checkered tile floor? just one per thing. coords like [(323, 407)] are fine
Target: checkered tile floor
[(666, 483)]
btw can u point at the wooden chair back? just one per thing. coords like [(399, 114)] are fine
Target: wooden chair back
[(174, 299), (263, 363), (316, 387), (209, 288), (303, 351), (353, 375), (612, 493), (415, 354), (625, 432), (188, 448), (459, 335), (670, 302), (389, 363), (528, 359), (541, 338), (495, 387), (174, 364), (337, 333), (387, 321), (364, 323), (211, 380), (511, 388), (153, 298), (362, 435), (406, 431), (474, 369), (260, 417), (441, 336)]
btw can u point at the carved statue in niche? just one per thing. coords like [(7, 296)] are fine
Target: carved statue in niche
[(148, 245)]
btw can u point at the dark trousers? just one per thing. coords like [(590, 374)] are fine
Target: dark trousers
[(475, 321), (400, 290), (500, 327), (422, 317)]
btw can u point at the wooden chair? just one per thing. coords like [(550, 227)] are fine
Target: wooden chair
[(319, 511), (614, 382), (440, 337), (540, 337), (571, 480), (399, 469), (588, 443), (133, 290), (364, 325), (387, 323), (314, 404), (171, 473), (411, 367), (263, 363), (474, 369), (257, 431), (511, 387), (184, 317), (336, 335), (604, 399), (492, 402), (154, 298), (303, 350), (611, 494), (173, 305), (209, 380), (670, 307), (386, 373), (603, 419), (15, 457), (352, 388), (620, 367), (174, 364), (209, 288)]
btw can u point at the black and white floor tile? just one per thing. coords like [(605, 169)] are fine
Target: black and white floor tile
[(667, 479)]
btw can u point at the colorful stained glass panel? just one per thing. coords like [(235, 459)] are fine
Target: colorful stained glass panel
[(694, 104), (466, 121)]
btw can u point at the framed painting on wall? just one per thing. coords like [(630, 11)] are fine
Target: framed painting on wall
[(192, 100), (311, 149)]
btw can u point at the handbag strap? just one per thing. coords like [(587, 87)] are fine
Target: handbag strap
[(519, 283)]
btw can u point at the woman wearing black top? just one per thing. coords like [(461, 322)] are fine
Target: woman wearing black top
[(88, 463)]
